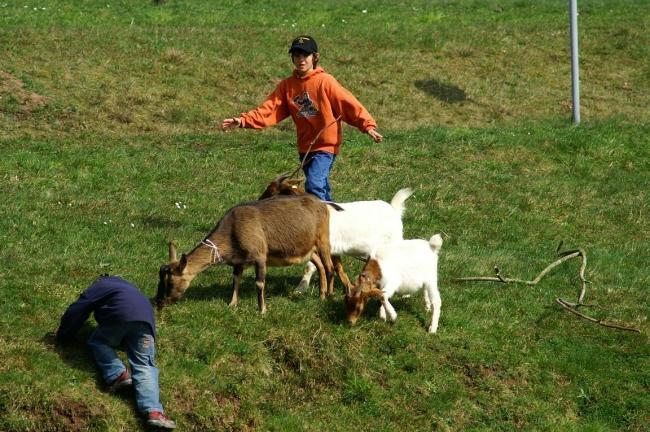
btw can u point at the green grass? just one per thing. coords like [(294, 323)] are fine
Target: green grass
[(472, 100), (182, 67)]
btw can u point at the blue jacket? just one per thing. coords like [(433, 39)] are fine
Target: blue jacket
[(113, 300)]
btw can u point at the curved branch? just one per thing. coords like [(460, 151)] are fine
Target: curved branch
[(566, 256), (566, 305), (571, 307)]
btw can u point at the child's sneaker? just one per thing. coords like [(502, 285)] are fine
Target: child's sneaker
[(158, 419), (122, 381)]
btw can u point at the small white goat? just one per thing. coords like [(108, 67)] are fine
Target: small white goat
[(359, 229), (402, 267)]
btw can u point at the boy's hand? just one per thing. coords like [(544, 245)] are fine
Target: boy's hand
[(376, 136), (231, 123), (52, 338)]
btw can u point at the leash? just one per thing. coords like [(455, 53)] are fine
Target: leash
[(215, 258), (304, 159)]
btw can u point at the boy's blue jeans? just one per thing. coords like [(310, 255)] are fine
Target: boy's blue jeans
[(141, 352), (317, 170)]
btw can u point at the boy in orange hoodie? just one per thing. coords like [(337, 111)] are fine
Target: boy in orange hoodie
[(317, 103)]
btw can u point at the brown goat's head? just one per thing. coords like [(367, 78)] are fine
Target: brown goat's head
[(365, 288), (283, 185), (172, 281)]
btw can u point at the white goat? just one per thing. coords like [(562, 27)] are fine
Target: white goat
[(402, 267), (359, 229)]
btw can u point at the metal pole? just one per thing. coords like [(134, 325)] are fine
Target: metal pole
[(575, 73)]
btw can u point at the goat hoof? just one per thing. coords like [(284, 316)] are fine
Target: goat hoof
[(302, 287)]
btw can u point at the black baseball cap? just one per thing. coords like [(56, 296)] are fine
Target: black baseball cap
[(304, 43)]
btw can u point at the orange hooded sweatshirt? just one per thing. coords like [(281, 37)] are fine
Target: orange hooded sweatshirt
[(313, 102)]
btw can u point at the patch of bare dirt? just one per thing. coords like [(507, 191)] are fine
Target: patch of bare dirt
[(63, 415), (72, 415), (25, 101)]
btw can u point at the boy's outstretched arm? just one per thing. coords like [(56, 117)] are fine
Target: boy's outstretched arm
[(272, 111), (351, 110)]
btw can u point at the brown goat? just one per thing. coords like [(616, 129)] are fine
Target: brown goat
[(276, 232), (283, 185)]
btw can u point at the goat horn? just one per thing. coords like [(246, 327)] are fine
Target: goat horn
[(282, 177), (172, 252)]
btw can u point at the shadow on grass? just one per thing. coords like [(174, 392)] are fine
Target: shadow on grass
[(76, 354), (413, 306), (276, 286), (334, 308), (331, 309), (443, 92)]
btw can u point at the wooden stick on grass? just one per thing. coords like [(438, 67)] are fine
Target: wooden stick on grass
[(571, 307), (568, 306)]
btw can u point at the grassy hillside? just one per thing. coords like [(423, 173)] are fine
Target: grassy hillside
[(181, 67), (108, 117)]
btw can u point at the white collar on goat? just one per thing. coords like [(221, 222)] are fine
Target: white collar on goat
[(215, 258)]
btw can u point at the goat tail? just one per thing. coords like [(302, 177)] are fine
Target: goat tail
[(435, 242), (398, 200), (334, 205)]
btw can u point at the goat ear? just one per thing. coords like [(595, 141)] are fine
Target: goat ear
[(183, 263), (172, 252), (273, 189)]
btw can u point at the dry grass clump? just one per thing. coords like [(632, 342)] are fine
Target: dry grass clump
[(174, 56), (15, 98)]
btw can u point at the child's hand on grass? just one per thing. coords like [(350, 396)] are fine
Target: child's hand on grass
[(230, 123)]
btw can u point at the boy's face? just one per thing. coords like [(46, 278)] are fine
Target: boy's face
[(303, 61)]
